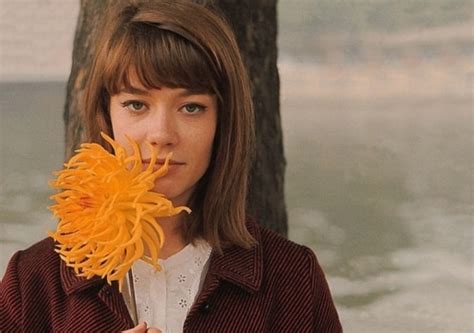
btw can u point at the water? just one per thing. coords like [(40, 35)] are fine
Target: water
[(31, 147), (379, 184)]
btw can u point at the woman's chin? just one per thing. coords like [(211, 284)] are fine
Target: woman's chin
[(173, 193)]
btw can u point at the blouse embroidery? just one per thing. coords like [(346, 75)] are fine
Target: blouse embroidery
[(165, 297)]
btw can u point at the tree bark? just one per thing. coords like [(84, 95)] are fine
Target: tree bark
[(255, 26)]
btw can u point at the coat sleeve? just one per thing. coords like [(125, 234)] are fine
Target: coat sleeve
[(10, 298), (325, 317), (302, 301)]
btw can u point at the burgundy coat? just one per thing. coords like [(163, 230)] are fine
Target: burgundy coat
[(276, 286)]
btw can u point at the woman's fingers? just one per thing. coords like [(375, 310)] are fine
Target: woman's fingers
[(140, 328)]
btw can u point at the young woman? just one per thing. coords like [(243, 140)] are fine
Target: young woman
[(169, 73)]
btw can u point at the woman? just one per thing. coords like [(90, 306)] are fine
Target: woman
[(169, 73)]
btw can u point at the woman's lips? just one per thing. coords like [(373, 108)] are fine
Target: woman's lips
[(172, 164), (161, 161)]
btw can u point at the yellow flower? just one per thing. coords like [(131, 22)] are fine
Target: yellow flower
[(107, 211)]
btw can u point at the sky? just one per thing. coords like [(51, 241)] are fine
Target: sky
[(36, 39)]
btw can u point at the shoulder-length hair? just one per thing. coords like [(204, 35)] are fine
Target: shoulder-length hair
[(183, 44)]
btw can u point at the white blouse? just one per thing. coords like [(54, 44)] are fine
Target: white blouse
[(165, 297)]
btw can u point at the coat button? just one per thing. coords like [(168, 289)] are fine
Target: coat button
[(107, 292), (205, 307)]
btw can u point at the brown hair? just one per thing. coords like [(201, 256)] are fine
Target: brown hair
[(183, 44)]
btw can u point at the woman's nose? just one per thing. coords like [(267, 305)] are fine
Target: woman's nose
[(162, 129)]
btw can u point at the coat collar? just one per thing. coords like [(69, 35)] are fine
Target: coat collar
[(242, 267), (72, 283)]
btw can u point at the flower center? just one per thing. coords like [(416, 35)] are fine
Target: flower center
[(85, 202)]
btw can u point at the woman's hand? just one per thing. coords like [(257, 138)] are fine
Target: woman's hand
[(153, 330), (142, 328)]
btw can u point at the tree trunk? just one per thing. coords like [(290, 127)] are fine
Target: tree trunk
[(255, 26)]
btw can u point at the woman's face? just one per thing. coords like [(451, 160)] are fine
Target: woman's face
[(173, 120)]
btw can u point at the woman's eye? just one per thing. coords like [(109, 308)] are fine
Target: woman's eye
[(193, 108), (133, 106)]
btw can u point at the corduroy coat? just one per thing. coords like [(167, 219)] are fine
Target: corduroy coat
[(276, 286)]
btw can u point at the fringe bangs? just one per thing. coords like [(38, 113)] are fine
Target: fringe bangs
[(158, 58)]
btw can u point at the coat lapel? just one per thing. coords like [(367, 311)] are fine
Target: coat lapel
[(242, 267), (72, 283), (239, 266), (108, 294)]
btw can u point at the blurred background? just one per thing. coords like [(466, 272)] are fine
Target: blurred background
[(377, 112)]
